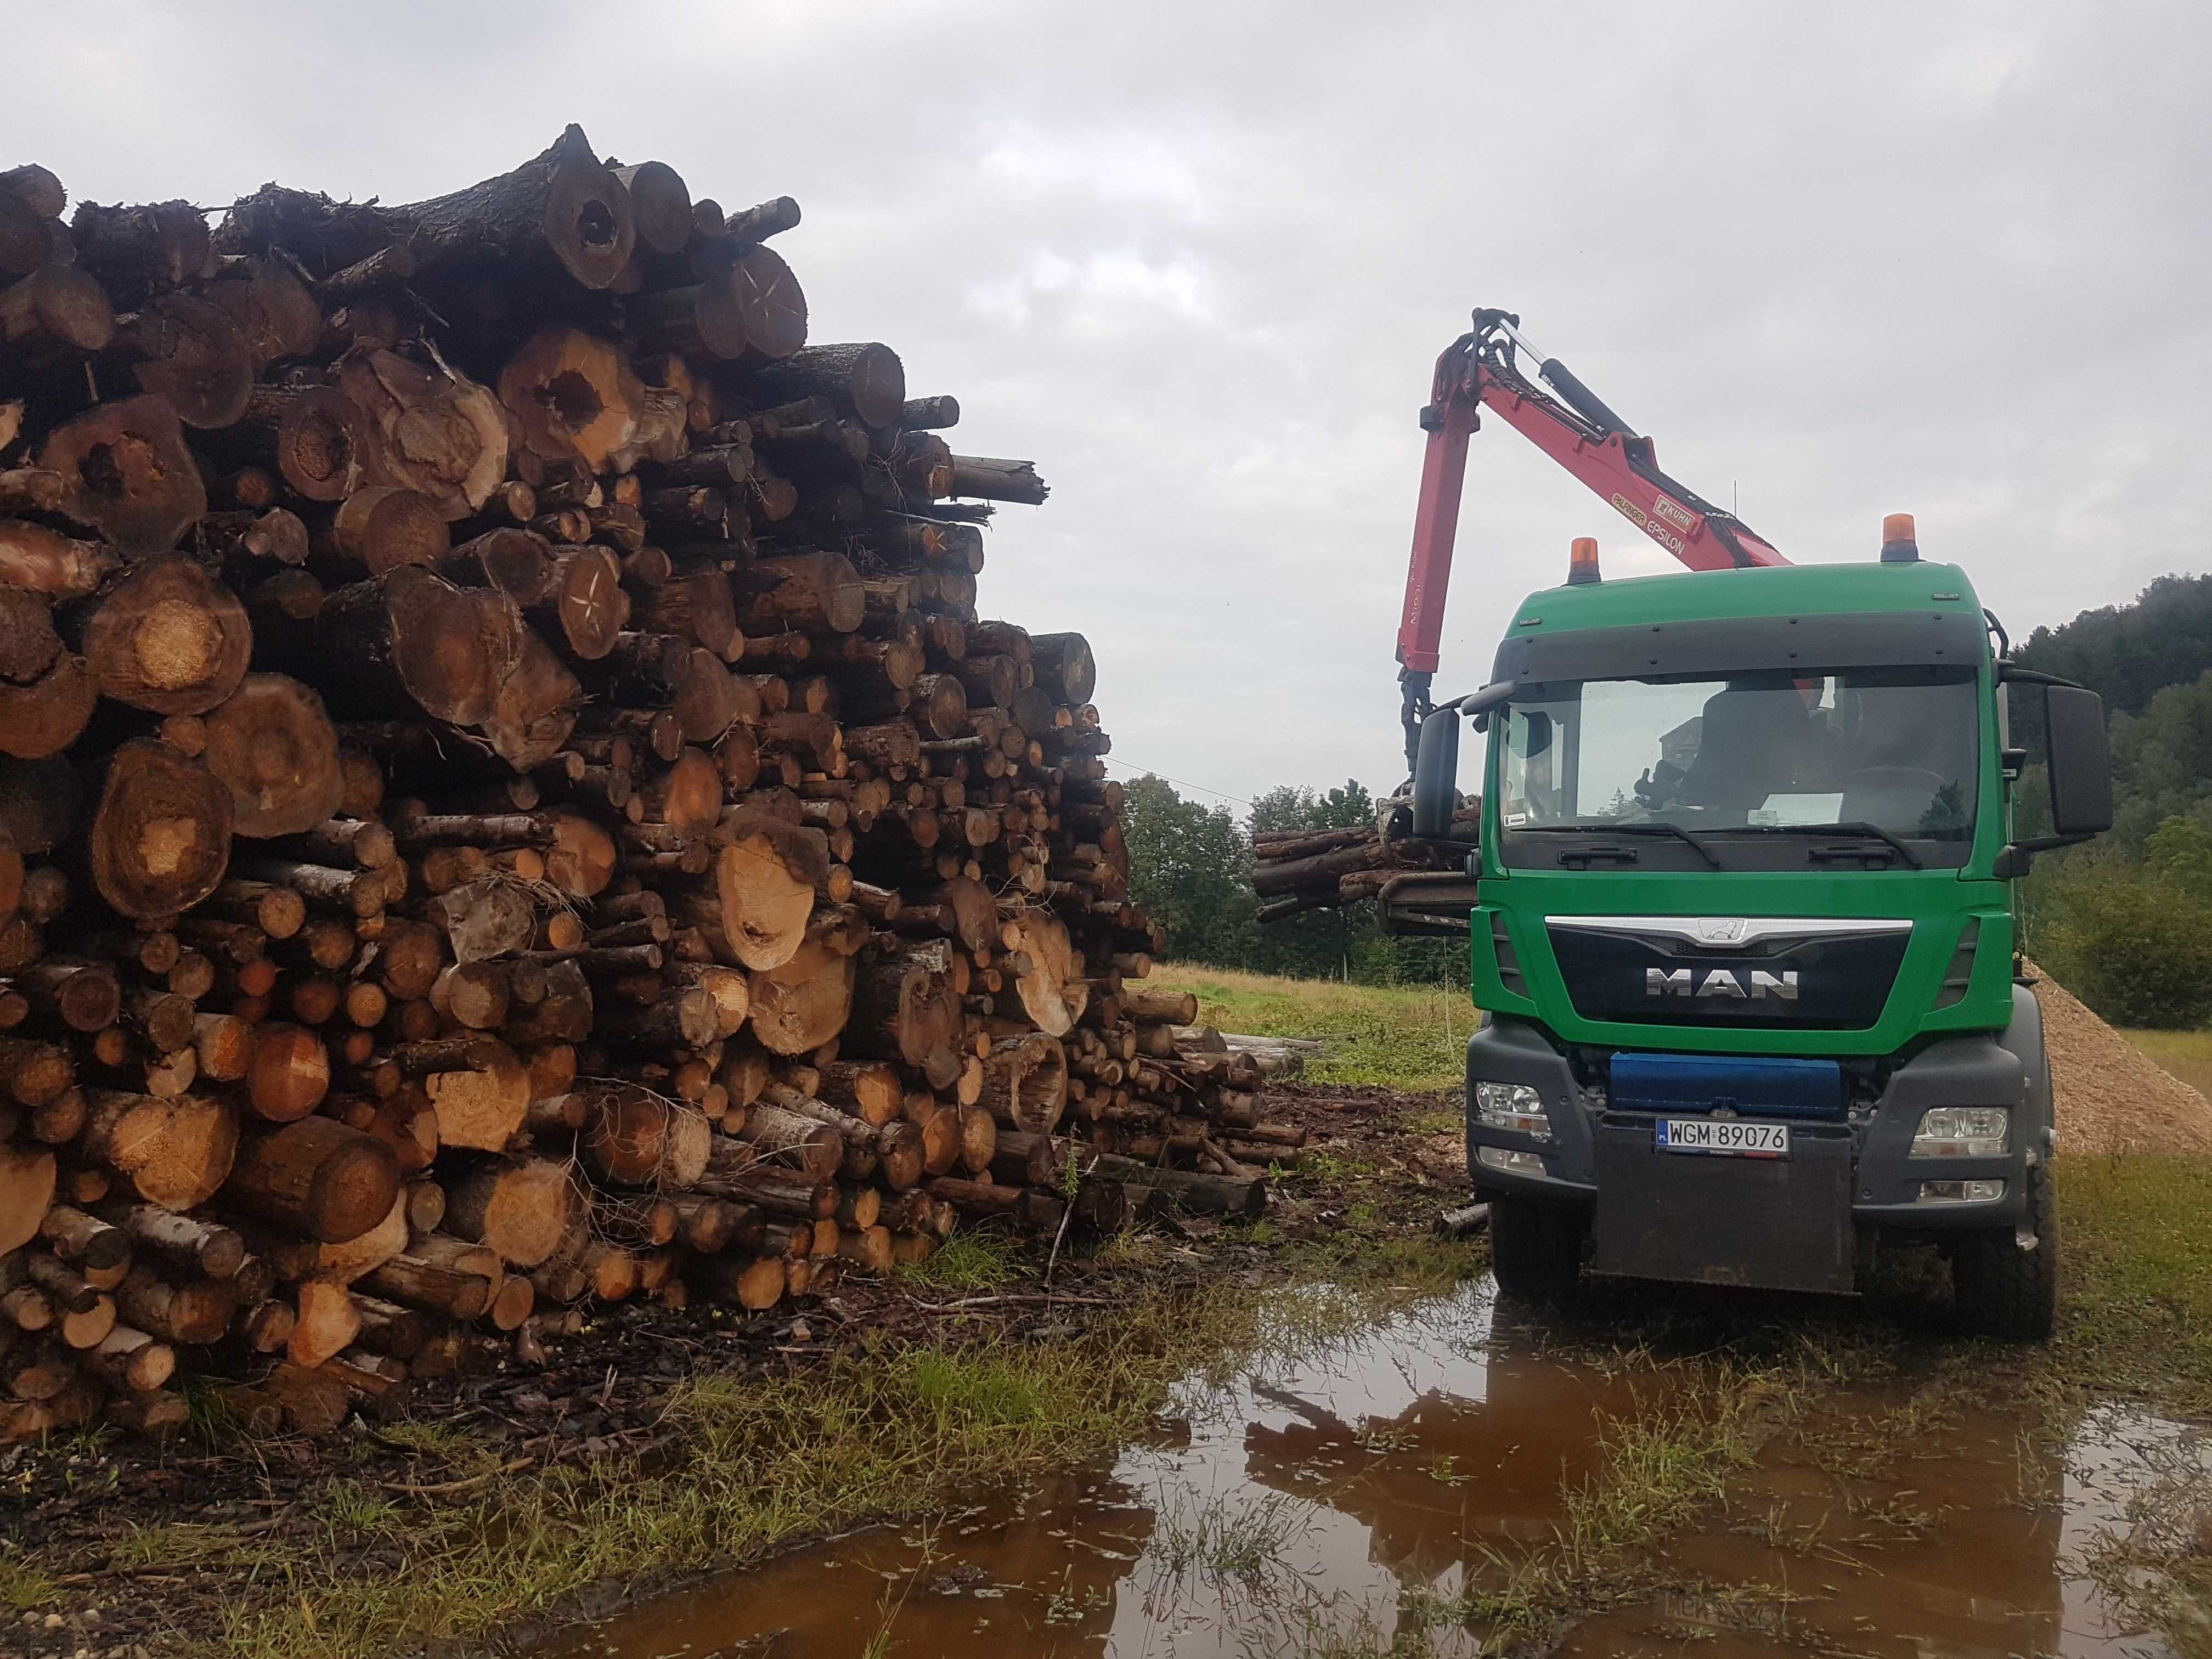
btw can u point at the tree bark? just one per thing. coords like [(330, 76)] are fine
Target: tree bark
[(998, 480), (561, 204), (865, 381), (328, 1182), (801, 591), (136, 252)]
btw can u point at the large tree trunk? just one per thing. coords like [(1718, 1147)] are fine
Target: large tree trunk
[(272, 746), (1025, 1083), (865, 381), (129, 474), (317, 1176), (409, 634), (562, 205), (905, 1008), (520, 1207), (167, 638), (174, 1152), (160, 836)]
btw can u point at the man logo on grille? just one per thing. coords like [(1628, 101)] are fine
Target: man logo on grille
[(1720, 982)]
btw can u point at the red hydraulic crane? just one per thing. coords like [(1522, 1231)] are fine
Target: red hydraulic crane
[(1569, 423)]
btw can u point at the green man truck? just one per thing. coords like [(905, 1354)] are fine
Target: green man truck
[(1740, 905)]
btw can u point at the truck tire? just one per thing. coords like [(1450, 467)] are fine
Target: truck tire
[(1535, 1247), (2000, 1290)]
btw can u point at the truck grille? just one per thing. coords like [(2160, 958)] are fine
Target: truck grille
[(1814, 974)]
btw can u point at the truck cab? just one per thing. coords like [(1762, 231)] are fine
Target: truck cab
[(1744, 937)]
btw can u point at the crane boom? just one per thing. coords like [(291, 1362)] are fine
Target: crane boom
[(1568, 422)]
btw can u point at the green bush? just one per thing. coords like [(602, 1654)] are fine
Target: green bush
[(2134, 945)]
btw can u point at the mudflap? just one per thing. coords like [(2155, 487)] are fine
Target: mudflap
[(1779, 1224)]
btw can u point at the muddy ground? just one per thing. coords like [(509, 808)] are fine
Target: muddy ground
[(1400, 1463), (83, 1501)]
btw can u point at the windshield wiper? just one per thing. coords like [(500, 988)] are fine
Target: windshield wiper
[(1640, 827), (1856, 828)]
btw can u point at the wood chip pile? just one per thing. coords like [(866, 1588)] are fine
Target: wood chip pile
[(508, 800)]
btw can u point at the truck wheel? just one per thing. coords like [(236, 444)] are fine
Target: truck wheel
[(1535, 1247), (2000, 1290)]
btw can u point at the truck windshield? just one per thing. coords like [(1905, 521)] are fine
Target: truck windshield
[(1893, 748)]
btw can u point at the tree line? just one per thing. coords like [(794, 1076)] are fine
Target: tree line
[(2126, 920)]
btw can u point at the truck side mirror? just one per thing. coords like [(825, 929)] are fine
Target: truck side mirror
[(2081, 773), (1435, 775), (1436, 760)]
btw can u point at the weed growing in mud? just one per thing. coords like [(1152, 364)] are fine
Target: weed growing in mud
[(982, 1260), (2156, 1566), (23, 1588), (1222, 1539)]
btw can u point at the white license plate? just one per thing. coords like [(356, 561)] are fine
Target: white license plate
[(1728, 1136)]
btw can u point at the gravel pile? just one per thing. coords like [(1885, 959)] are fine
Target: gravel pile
[(2111, 1097)]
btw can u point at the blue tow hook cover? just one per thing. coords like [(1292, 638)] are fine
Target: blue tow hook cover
[(1705, 1083)]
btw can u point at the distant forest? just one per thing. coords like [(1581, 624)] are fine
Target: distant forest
[(2127, 921)]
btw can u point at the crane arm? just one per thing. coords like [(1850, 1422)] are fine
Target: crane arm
[(1568, 422)]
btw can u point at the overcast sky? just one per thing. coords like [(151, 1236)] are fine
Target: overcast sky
[(1197, 261)]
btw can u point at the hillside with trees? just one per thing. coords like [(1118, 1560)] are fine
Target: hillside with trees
[(2126, 921)]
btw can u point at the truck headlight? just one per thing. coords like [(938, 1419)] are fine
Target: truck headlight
[(1511, 1160), (1961, 1192), (1962, 1132), (1513, 1106)]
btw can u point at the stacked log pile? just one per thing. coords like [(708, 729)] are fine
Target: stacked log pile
[(508, 802)]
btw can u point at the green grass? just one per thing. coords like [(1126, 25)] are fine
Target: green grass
[(23, 1588), (2136, 1237), (2187, 1054), (1392, 1036), (979, 1260)]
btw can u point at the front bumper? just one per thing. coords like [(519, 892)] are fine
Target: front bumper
[(1884, 1176)]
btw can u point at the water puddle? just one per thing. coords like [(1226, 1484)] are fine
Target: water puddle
[(1340, 1498)]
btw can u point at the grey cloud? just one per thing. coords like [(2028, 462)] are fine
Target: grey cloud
[(1198, 261)]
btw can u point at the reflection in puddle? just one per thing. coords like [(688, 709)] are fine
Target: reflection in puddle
[(1312, 1505)]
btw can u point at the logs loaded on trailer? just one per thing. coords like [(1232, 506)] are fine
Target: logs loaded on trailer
[(1299, 870), (507, 801)]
